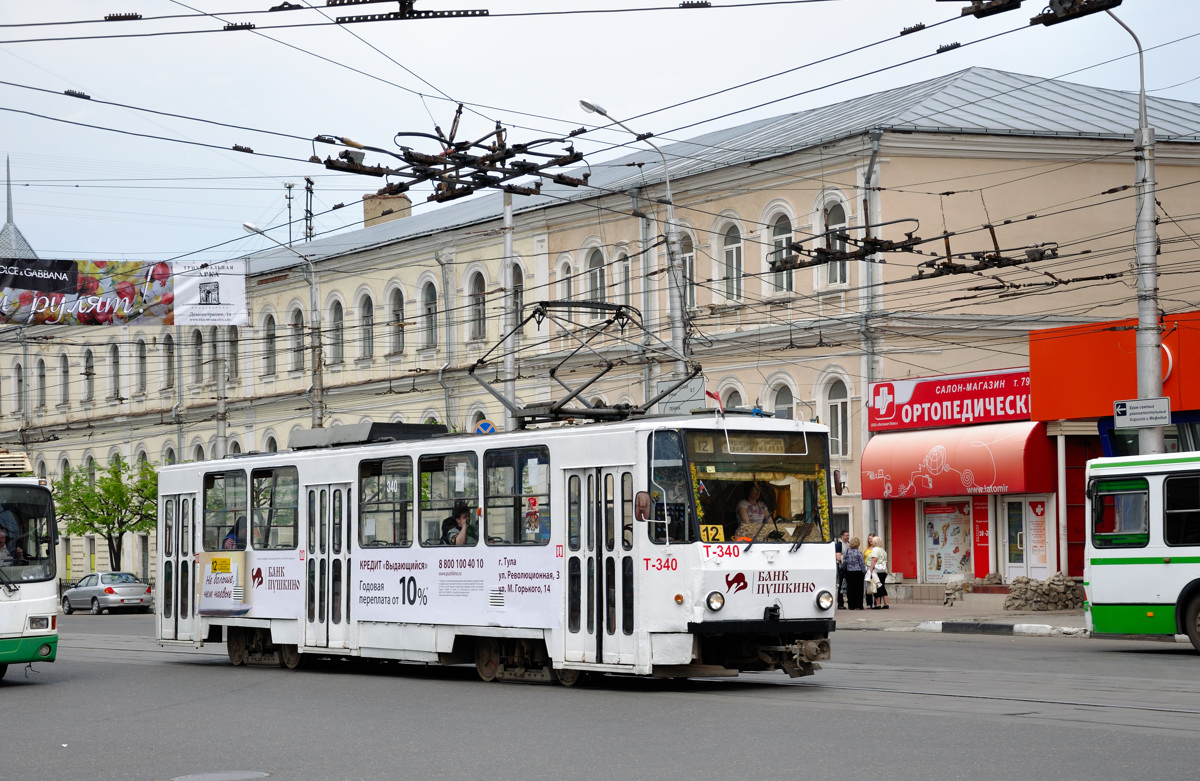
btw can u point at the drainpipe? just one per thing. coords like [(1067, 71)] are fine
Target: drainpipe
[(514, 317), (871, 206)]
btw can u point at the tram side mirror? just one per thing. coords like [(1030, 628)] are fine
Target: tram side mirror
[(839, 485), (641, 506)]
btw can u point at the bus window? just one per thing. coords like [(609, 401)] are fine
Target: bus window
[(274, 507), (385, 490), (1121, 513), (224, 505), (670, 491), (447, 480), (1181, 520), (517, 496)]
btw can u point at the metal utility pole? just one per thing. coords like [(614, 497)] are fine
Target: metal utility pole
[(316, 391), (221, 446), (674, 272), (1149, 333), (288, 197)]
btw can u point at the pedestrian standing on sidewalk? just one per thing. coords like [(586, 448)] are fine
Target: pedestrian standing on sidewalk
[(840, 546), (868, 594), (856, 570), (877, 567)]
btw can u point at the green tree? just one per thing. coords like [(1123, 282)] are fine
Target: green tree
[(121, 498)]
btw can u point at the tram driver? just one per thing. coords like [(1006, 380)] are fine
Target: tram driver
[(458, 529)]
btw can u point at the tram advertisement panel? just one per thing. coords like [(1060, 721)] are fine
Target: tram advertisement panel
[(270, 586), (462, 585)]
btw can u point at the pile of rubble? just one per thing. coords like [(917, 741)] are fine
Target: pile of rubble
[(1058, 593), (957, 585)]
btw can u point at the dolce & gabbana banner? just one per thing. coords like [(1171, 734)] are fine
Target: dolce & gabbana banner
[(107, 292)]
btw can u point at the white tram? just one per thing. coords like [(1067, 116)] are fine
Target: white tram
[(28, 588), (610, 547)]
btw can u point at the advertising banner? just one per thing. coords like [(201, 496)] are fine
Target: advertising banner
[(947, 539), (106, 292), (981, 539), (949, 400)]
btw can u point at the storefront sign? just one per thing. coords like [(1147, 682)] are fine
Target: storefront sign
[(980, 537), (949, 400)]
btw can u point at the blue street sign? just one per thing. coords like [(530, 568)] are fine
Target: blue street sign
[(485, 427)]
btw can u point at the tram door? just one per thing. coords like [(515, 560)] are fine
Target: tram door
[(600, 566), (327, 565), (176, 587)]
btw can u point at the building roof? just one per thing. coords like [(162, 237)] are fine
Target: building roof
[(12, 243), (975, 101)]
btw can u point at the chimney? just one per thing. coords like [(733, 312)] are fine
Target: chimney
[(384, 208)]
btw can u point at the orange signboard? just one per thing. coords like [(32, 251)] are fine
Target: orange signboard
[(1079, 371)]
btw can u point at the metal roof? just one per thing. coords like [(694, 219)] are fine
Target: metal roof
[(12, 243), (976, 100)]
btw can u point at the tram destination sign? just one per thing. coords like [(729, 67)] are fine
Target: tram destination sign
[(1142, 413)]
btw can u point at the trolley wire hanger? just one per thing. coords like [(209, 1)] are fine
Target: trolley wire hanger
[(618, 315)]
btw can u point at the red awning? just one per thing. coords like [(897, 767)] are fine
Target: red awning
[(1003, 458)]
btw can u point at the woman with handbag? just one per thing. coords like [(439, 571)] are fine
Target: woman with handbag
[(856, 570), (877, 572)]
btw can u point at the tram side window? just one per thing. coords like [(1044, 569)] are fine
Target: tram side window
[(517, 496), (275, 505), (1181, 521), (1121, 513), (446, 481), (670, 490), (225, 511), (385, 490)]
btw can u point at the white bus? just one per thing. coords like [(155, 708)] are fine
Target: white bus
[(28, 589), (1142, 562), (608, 547)]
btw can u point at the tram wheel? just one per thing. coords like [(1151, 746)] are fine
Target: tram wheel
[(1191, 618), (487, 658), (569, 677), (290, 657), (236, 646)]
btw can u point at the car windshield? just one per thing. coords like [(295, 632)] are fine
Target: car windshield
[(765, 487), (117, 578), (27, 527)]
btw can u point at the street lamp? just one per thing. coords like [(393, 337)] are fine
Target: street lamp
[(678, 332), (1149, 334), (316, 391)]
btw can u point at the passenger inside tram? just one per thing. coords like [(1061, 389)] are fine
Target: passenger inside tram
[(458, 529)]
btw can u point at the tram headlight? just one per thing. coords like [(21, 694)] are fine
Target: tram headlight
[(824, 600), (715, 601), (39, 622)]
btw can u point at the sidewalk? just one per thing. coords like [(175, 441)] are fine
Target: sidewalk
[(963, 618)]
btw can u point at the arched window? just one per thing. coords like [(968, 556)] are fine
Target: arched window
[(89, 466), (566, 288), (478, 308), (197, 357), (140, 368), (624, 280), (269, 348), (429, 313), (732, 246), (836, 272), (41, 470), (477, 418), (19, 388), (89, 376), (297, 325), (397, 323), (783, 402), (272, 446), (733, 399), (366, 324), (233, 352), (687, 260), (40, 401), (235, 447), (169, 455), (337, 348), (781, 236), (518, 296), (597, 286), (64, 379), (198, 453), (114, 372), (168, 364), (839, 419), (214, 336)]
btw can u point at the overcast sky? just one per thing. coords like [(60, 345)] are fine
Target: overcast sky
[(87, 192)]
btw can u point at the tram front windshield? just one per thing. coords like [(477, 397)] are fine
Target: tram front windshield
[(26, 534), (740, 486)]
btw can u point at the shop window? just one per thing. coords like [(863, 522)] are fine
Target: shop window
[(1121, 513)]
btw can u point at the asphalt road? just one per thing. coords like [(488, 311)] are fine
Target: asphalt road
[(891, 706)]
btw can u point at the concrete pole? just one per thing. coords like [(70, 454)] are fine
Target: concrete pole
[(317, 397), (1149, 333), (514, 317)]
